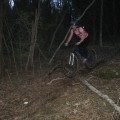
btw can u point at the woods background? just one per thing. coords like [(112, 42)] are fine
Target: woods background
[(33, 29)]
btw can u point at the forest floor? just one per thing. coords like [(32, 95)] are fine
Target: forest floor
[(50, 95)]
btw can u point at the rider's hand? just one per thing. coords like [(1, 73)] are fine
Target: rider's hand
[(77, 43), (66, 44)]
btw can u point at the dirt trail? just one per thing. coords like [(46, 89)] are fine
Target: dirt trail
[(56, 97)]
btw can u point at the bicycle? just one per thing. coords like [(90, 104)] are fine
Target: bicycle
[(71, 62)]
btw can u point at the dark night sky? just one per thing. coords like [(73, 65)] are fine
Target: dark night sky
[(110, 14)]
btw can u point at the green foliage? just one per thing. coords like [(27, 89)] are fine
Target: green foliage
[(109, 72)]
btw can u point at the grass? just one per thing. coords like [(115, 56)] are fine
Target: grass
[(63, 118), (49, 109), (109, 72), (72, 104)]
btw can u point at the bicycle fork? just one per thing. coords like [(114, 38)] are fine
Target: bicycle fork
[(71, 59)]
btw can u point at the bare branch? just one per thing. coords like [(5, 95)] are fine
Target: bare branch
[(33, 38), (56, 31), (59, 46), (79, 18)]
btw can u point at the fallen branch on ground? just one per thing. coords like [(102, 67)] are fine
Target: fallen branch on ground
[(115, 115), (55, 80), (106, 97)]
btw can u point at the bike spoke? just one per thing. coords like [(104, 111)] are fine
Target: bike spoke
[(70, 65)]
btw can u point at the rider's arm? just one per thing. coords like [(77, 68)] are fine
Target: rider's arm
[(69, 38), (81, 40)]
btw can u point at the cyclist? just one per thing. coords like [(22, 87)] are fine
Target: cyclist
[(81, 39)]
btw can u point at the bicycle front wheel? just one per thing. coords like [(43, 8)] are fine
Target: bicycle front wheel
[(70, 65)]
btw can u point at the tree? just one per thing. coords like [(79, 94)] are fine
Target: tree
[(33, 38), (101, 21), (115, 22), (1, 29)]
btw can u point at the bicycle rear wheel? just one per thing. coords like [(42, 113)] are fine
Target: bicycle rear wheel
[(92, 59), (70, 65)]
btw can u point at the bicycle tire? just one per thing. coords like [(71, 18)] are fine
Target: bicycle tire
[(70, 69), (92, 59)]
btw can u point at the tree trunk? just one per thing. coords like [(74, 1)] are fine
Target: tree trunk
[(101, 24), (33, 42), (33, 38), (1, 29), (114, 21), (94, 28)]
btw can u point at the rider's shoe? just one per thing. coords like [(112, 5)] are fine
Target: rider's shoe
[(84, 60)]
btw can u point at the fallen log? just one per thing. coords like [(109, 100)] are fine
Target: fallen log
[(99, 93)]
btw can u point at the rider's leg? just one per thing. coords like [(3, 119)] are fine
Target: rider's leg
[(75, 49), (83, 50)]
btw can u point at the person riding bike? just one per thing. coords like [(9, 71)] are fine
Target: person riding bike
[(81, 39)]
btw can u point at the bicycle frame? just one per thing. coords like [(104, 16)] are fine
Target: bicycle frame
[(74, 55), (77, 54), (71, 59)]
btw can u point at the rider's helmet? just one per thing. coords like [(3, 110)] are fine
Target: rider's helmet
[(77, 23)]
